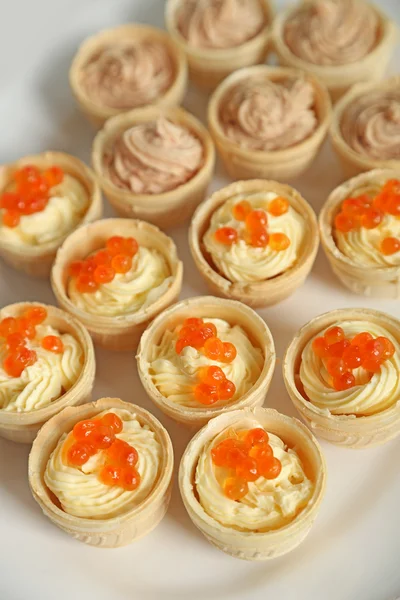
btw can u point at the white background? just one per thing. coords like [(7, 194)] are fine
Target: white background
[(353, 549)]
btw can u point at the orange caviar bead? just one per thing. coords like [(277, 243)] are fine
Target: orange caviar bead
[(261, 452), (390, 245), (388, 347), (211, 375), (356, 206), (11, 218), (372, 365), (53, 343), (229, 352), (208, 330), (181, 344), (270, 467), (79, 453), (279, 206), (344, 382), (13, 366), (393, 206), (241, 210), (361, 339), (320, 347), (226, 389), (115, 245), (352, 357), (214, 348), (256, 219), (337, 350), (247, 470), (53, 176), (83, 429), (15, 340), (8, 326), (8, 200), (335, 367), (279, 241), (371, 218), (103, 274), (235, 488), (344, 223), (102, 257), (89, 266), (36, 314), (256, 437), (113, 421), (259, 238), (26, 328), (374, 349), (333, 335), (111, 475), (75, 268), (130, 479), (226, 235), (122, 453), (131, 246), (228, 453), (121, 263), (206, 394), (101, 437), (86, 284), (193, 322)]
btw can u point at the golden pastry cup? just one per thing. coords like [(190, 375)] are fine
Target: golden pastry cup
[(250, 545), (352, 162), (121, 332), (22, 427), (337, 78), (167, 209), (376, 282), (244, 163), (103, 533), (37, 260), (209, 66), (344, 430), (258, 293), (96, 113), (214, 308)]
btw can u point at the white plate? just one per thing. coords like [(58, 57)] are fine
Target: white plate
[(353, 549)]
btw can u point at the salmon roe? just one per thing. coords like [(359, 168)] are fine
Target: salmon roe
[(101, 267), (341, 355), (247, 456), (91, 436), (31, 193), (256, 223)]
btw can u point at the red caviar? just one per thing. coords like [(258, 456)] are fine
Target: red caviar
[(226, 235), (213, 386), (279, 206), (53, 343)]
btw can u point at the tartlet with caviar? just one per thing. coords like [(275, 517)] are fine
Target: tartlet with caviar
[(206, 356), (342, 42), (342, 372), (252, 481), (115, 276), (365, 129), (219, 36), (46, 364), (154, 164), (268, 122), (43, 198), (102, 472), (127, 67), (254, 241), (360, 233)]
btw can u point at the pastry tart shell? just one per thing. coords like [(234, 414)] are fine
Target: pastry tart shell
[(22, 427), (258, 293), (245, 163), (37, 260), (251, 545), (344, 430), (209, 66), (375, 282), (97, 114), (103, 533), (207, 306), (121, 332), (167, 209)]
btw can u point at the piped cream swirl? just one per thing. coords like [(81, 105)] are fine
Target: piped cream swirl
[(153, 157), (219, 23), (128, 75), (46, 380), (82, 494), (242, 262), (175, 375), (370, 395), (332, 32), (261, 114), (269, 503)]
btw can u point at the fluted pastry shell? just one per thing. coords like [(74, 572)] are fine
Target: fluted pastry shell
[(97, 114), (209, 66), (344, 430), (259, 293), (121, 332), (251, 545), (37, 260), (103, 533), (244, 163), (170, 208), (376, 282), (234, 313), (22, 427), (352, 162), (338, 78)]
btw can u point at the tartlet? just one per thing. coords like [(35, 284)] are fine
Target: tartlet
[(254, 101), (31, 403), (242, 542), (231, 278), (366, 413), (357, 258), (366, 126), (157, 360), (119, 311), (31, 246), (208, 66), (128, 523), (158, 64), (333, 52), (179, 154)]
